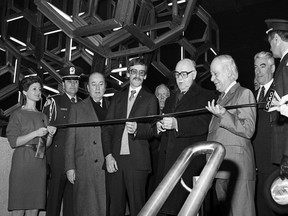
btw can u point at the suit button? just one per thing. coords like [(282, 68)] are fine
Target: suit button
[(94, 142), (96, 161)]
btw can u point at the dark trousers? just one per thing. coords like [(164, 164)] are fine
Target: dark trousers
[(59, 188), (126, 185)]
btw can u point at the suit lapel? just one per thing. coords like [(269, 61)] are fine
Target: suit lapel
[(222, 101), (256, 93), (122, 103), (88, 107), (193, 90), (137, 102), (229, 95)]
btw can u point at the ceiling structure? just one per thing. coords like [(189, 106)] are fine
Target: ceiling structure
[(40, 37)]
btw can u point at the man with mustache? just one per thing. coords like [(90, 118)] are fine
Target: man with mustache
[(125, 146)]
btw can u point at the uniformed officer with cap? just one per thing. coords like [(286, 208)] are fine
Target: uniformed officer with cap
[(57, 109), (278, 38)]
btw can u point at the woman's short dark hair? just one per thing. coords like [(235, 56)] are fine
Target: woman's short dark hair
[(28, 81)]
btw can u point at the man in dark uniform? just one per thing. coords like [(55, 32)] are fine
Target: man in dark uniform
[(57, 109), (278, 39)]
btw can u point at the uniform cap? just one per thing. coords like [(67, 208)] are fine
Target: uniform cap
[(71, 72), (276, 25)]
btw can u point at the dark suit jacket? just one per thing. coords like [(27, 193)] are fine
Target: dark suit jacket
[(191, 129), (279, 122), (145, 104), (262, 138)]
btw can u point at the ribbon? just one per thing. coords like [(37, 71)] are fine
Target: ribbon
[(151, 118)]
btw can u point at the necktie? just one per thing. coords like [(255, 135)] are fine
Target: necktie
[(132, 95), (99, 103), (125, 150), (262, 94), (73, 100), (180, 96)]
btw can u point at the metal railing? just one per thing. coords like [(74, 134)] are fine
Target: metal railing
[(197, 195)]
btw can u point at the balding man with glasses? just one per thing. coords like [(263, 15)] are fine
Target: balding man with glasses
[(178, 133)]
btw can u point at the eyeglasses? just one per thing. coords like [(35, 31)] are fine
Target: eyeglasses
[(184, 74), (135, 72), (164, 96)]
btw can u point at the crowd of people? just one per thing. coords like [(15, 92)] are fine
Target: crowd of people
[(107, 170)]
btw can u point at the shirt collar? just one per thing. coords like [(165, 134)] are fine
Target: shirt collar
[(267, 85), (229, 87), (284, 54), (97, 101), (136, 89), (71, 97)]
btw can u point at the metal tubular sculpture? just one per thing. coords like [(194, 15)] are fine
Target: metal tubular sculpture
[(197, 195)]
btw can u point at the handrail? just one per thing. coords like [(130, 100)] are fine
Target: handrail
[(197, 195)]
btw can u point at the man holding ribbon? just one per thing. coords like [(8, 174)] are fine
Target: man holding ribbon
[(125, 146), (181, 132), (235, 180)]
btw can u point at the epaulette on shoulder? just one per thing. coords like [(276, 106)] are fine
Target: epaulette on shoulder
[(49, 99), (48, 102), (55, 95)]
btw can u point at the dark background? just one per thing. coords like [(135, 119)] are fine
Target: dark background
[(242, 34)]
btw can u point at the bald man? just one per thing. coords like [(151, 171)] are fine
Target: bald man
[(234, 128), (178, 133)]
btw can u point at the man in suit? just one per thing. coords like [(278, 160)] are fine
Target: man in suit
[(57, 109), (125, 146), (179, 133), (83, 151), (162, 92), (278, 39), (235, 180), (264, 69)]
